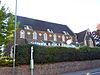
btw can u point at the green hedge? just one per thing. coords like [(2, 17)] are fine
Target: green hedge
[(47, 54), (23, 54)]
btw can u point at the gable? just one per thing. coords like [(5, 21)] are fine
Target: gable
[(81, 36)]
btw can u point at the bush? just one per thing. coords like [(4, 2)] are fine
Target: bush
[(23, 54), (5, 61), (47, 54), (53, 54)]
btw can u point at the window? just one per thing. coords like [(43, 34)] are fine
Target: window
[(64, 32), (40, 34), (44, 44), (67, 33), (58, 36), (50, 35), (45, 36), (49, 30), (62, 44), (28, 33), (63, 38), (69, 41), (34, 35), (54, 44), (26, 27), (34, 42), (58, 44), (48, 44), (55, 37), (67, 37), (22, 34)]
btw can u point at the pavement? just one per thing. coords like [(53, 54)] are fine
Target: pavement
[(95, 71)]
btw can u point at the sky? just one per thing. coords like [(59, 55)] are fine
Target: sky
[(78, 15)]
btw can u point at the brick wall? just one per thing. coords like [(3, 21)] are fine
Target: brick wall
[(52, 69), (29, 35), (57, 68)]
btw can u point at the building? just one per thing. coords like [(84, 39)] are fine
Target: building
[(32, 31), (85, 38)]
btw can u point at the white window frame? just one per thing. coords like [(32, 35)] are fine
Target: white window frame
[(58, 36), (50, 35), (34, 35), (55, 37), (49, 44), (63, 38), (40, 34), (45, 36), (26, 27), (22, 34)]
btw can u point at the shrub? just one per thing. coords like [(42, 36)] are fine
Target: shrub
[(48, 54), (53, 54), (5, 61), (22, 54)]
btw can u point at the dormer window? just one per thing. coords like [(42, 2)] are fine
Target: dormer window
[(22, 34), (67, 33), (26, 27), (64, 32), (49, 30)]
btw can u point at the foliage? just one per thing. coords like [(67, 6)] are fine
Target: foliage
[(6, 26), (47, 54), (96, 37), (5, 61)]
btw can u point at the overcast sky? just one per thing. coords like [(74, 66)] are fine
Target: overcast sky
[(78, 15)]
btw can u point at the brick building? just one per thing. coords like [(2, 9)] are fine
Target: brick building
[(85, 38), (32, 31)]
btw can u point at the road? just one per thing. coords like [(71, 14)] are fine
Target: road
[(95, 71)]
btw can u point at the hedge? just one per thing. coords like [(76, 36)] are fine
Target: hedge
[(48, 54)]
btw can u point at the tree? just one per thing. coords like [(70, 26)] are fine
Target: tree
[(6, 26), (96, 35)]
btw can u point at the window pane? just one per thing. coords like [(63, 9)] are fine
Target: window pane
[(55, 37), (34, 35), (45, 36), (63, 38), (22, 34)]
